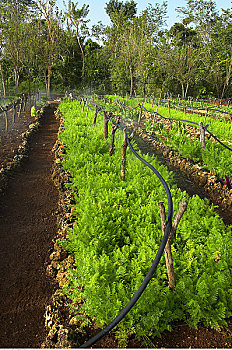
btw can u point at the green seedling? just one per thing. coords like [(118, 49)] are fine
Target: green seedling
[(33, 111)]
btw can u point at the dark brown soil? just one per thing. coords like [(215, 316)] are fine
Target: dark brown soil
[(27, 226), (11, 139), (181, 336)]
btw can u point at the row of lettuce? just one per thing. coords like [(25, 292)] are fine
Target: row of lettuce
[(213, 157), (118, 233)]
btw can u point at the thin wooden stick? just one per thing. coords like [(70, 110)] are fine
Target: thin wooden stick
[(95, 116), (202, 135), (114, 128), (87, 112), (20, 108), (6, 119), (141, 112), (83, 107), (14, 112), (230, 121), (106, 121), (123, 162), (168, 252)]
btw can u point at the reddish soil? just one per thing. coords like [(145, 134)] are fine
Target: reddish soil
[(27, 226)]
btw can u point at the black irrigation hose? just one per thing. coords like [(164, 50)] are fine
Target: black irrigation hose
[(215, 137), (181, 120), (189, 121), (155, 263), (199, 109), (169, 118)]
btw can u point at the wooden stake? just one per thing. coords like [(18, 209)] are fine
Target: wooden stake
[(6, 119), (87, 112), (230, 121), (20, 108), (168, 252), (123, 162), (83, 107), (106, 121), (141, 112), (114, 128), (14, 112), (202, 135), (95, 116), (24, 103), (169, 107), (158, 105)]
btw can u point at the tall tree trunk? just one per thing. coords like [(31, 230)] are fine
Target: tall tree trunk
[(48, 81), (228, 74), (131, 82), (82, 52), (29, 82), (3, 80), (186, 90), (183, 92), (16, 74), (45, 79)]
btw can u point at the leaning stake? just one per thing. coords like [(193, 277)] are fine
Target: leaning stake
[(230, 117), (123, 162), (20, 108), (6, 119), (87, 112), (168, 252), (95, 116), (83, 107), (114, 128), (106, 121), (140, 112), (14, 112)]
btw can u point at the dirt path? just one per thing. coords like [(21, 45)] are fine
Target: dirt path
[(27, 226)]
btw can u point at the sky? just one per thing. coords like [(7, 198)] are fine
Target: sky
[(97, 8)]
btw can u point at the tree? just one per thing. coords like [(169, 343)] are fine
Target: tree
[(117, 9), (13, 36), (76, 17), (49, 38), (203, 14), (130, 40), (180, 57)]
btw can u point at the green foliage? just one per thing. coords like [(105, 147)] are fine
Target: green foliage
[(118, 233), (33, 111), (214, 156)]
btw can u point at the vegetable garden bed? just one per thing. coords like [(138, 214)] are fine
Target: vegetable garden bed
[(118, 231)]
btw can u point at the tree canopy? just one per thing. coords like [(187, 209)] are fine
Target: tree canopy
[(42, 46)]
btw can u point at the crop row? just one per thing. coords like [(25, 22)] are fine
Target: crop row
[(184, 137), (118, 232)]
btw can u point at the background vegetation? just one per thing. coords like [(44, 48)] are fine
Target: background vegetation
[(42, 46)]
